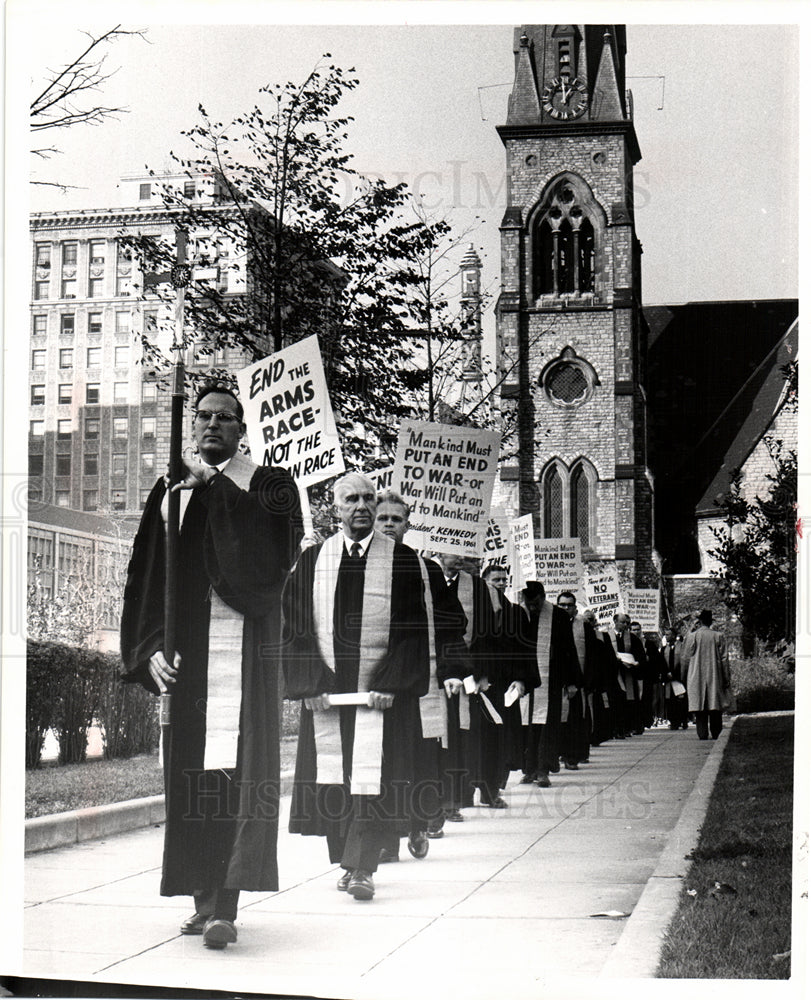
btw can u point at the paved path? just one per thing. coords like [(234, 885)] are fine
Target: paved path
[(504, 904)]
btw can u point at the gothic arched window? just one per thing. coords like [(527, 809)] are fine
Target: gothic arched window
[(580, 504), (553, 503), (563, 239)]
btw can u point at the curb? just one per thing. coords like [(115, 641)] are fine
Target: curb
[(44, 833), (636, 953)]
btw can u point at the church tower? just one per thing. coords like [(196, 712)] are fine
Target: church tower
[(570, 331), (470, 376)]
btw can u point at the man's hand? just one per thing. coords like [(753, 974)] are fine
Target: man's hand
[(320, 703), (571, 690), (518, 687), (380, 700), (453, 686), (482, 685), (197, 474), (162, 674)]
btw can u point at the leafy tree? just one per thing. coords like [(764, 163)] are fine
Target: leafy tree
[(757, 550), (68, 96), (324, 251)]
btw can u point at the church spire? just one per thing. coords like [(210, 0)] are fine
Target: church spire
[(608, 101)]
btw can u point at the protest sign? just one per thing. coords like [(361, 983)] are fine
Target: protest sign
[(602, 589), (558, 565), (446, 473), (289, 415), (497, 540), (643, 607), (382, 479), (523, 540)]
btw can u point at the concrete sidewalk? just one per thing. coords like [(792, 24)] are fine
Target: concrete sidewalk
[(507, 902)]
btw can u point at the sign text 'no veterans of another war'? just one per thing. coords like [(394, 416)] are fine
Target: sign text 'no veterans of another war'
[(446, 473), (289, 415)]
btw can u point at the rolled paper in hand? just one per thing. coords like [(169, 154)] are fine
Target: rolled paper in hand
[(350, 698)]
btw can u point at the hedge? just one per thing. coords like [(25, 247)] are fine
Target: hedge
[(68, 688)]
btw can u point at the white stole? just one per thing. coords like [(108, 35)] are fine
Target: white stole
[(433, 705), (225, 631), (367, 750), (543, 646)]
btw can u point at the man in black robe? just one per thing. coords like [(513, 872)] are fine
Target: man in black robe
[(629, 655), (494, 729), (547, 646), (673, 671), (577, 728), (240, 529), (356, 625)]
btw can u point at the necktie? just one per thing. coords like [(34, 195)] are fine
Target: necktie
[(621, 642), (671, 659), (355, 550)]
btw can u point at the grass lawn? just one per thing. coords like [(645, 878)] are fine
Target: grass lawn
[(99, 782), (745, 845)]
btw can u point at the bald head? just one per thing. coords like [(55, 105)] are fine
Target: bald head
[(355, 503)]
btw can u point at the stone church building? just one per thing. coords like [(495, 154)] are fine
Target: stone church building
[(625, 423)]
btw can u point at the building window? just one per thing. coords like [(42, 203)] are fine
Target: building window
[(150, 322), (120, 392), (569, 500), (119, 427), (94, 357), (123, 322), (35, 465), (42, 289), (149, 391), (63, 429), (563, 239), (149, 426), (122, 284), (122, 355), (68, 288), (90, 499), (65, 357), (188, 189), (119, 463), (38, 358), (40, 327), (148, 461), (118, 499), (91, 428), (144, 496), (92, 393), (63, 465), (62, 498), (36, 428), (568, 380), (95, 288), (37, 395), (69, 254), (144, 192), (42, 254), (91, 464), (98, 251), (553, 503), (94, 322), (67, 324), (65, 392)]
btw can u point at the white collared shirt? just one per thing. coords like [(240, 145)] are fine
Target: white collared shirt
[(364, 543), (219, 467)]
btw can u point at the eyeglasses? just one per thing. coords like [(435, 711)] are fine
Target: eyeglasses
[(223, 416)]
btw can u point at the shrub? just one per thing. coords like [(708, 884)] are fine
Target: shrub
[(43, 679), (127, 715), (763, 684)]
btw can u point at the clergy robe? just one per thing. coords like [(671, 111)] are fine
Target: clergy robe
[(491, 625), (675, 705), (237, 543), (328, 808), (546, 694)]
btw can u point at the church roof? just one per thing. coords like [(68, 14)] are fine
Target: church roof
[(713, 382)]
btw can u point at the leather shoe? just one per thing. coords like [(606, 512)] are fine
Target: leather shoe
[(497, 803), (435, 834), (542, 781), (343, 882), (195, 923), (454, 816), (527, 779), (571, 767), (386, 857), (418, 845), (361, 886), (219, 933)]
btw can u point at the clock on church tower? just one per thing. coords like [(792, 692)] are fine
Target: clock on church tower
[(570, 329)]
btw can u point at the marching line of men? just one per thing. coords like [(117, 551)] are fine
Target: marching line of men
[(421, 684)]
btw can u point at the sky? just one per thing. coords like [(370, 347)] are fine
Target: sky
[(715, 109)]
